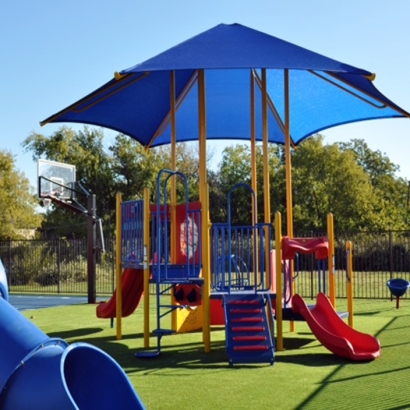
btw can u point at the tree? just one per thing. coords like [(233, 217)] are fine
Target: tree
[(133, 167), (392, 192), (356, 185), (235, 168), (187, 162), (124, 166), (17, 201)]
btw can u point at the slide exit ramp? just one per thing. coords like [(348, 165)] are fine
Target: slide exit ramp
[(334, 334), (42, 373)]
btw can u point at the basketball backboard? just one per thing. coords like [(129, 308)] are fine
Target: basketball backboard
[(55, 179)]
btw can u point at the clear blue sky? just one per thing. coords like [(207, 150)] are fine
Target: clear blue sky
[(54, 52)]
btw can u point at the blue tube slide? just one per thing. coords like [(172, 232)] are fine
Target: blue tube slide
[(42, 373), (4, 291)]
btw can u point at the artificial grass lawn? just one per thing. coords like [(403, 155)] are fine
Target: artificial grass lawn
[(305, 375)]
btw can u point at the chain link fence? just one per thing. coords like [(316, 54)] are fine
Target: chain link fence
[(60, 265)]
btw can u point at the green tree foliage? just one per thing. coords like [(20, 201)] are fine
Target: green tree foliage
[(235, 168), (17, 201), (133, 167), (392, 193), (124, 166), (187, 162), (351, 181), (327, 180), (357, 185)]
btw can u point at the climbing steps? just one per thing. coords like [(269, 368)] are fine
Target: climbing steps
[(248, 336)]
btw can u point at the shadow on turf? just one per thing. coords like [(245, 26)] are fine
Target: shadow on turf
[(190, 355), (311, 359), (75, 333)]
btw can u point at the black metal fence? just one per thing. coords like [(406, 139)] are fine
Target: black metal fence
[(55, 266), (60, 266)]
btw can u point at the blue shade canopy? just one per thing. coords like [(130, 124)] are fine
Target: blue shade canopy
[(323, 92)]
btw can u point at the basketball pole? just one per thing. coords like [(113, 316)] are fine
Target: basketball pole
[(91, 247)]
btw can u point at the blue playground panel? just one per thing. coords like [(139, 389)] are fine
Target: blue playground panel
[(238, 257), (167, 273), (132, 234)]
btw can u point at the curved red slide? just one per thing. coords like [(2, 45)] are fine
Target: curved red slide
[(132, 288), (333, 332)]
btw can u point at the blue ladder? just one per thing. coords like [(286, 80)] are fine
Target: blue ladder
[(248, 334)]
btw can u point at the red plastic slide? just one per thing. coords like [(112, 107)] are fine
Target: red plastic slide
[(333, 332), (132, 289)]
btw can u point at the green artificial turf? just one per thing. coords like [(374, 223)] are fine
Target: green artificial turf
[(305, 375)]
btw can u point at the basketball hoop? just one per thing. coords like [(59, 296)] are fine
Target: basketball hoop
[(55, 179)]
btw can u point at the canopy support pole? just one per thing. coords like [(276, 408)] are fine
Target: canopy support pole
[(118, 266), (173, 185), (266, 182), (288, 164), (289, 205), (254, 180), (173, 164), (253, 150), (203, 196)]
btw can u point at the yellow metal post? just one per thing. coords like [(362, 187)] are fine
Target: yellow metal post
[(331, 259), (288, 169), (349, 284), (266, 180), (173, 166), (147, 253), (288, 162), (253, 149), (203, 196), (118, 249), (174, 242), (254, 180), (278, 258), (206, 271)]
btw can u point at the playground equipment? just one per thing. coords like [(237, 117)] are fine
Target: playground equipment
[(398, 287), (158, 244), (326, 324), (334, 333), (161, 244), (39, 372), (176, 247), (218, 75), (4, 291), (132, 285), (242, 284), (240, 268)]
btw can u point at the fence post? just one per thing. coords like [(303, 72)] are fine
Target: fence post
[(9, 267), (312, 262), (58, 265), (391, 252), (113, 263)]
